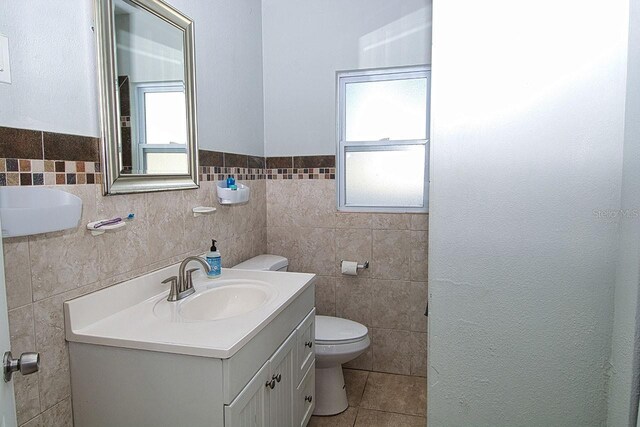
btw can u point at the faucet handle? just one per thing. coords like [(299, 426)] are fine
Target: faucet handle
[(171, 280), (173, 292), (189, 277)]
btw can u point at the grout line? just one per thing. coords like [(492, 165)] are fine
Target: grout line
[(355, 419)]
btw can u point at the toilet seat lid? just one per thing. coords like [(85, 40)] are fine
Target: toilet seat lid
[(336, 330)]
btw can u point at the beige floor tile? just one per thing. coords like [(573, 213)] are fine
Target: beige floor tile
[(370, 418), (345, 419), (355, 381), (395, 393)]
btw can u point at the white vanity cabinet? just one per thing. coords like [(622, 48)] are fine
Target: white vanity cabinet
[(268, 381), (278, 396)]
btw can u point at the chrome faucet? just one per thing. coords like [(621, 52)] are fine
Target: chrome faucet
[(182, 285)]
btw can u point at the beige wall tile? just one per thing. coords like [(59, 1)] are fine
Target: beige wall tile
[(54, 380), (419, 354), (420, 222), (22, 335), (419, 249), (315, 250), (391, 255), (59, 416), (325, 295), (68, 259), (391, 351), (17, 271), (62, 261), (35, 422), (391, 304), (353, 299), (353, 220), (259, 241), (301, 203), (419, 297), (390, 221), (281, 241), (353, 244)]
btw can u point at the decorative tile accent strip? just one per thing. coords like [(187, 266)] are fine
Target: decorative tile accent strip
[(15, 172), (217, 173), (29, 157), (301, 173), (125, 121)]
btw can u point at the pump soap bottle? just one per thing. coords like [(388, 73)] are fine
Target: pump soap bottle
[(214, 259)]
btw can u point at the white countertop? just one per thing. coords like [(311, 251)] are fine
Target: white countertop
[(123, 315)]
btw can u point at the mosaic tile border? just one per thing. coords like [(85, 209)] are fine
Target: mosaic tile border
[(14, 172), (301, 173), (217, 173), (82, 164)]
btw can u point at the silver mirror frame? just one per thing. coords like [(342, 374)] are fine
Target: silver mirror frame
[(113, 181)]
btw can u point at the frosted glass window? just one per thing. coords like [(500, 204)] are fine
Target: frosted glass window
[(383, 140), (385, 178), (389, 109), (165, 118), (166, 163)]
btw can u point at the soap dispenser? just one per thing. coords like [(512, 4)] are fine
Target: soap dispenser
[(214, 259)]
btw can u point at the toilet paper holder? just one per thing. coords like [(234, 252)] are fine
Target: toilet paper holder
[(360, 266)]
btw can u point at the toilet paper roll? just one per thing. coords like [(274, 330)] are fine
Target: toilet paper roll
[(350, 268)]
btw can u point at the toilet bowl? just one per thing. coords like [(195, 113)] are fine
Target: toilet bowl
[(337, 341)]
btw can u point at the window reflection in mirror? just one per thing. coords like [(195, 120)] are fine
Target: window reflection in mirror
[(150, 67)]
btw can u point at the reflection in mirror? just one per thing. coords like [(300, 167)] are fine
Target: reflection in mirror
[(151, 91), (147, 93)]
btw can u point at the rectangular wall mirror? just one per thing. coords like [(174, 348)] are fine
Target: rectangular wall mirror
[(147, 93)]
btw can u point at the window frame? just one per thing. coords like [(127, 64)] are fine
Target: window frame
[(343, 146), (139, 160)]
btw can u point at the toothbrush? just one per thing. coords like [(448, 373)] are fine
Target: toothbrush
[(114, 221)]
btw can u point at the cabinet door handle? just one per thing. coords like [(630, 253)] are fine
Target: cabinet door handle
[(308, 399), (271, 384), (276, 377), (308, 344)]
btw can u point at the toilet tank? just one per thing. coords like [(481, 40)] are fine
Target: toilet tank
[(265, 262)]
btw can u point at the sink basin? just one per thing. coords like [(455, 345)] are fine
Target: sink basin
[(227, 299), (224, 302)]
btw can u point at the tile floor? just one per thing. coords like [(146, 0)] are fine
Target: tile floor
[(380, 400)]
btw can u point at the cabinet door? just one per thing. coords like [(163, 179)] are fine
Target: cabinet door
[(305, 397), (250, 407), (282, 408), (306, 334)]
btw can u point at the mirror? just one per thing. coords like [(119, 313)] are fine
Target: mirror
[(147, 90)]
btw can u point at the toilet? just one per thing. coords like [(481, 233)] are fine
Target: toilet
[(337, 341)]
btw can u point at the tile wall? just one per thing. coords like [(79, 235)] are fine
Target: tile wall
[(389, 298), (291, 213), (45, 270)]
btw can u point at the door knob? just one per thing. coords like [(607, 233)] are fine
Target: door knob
[(27, 364)]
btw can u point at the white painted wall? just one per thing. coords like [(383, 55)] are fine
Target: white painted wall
[(229, 74), (305, 43), (527, 132), (53, 67), (55, 80), (624, 381)]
